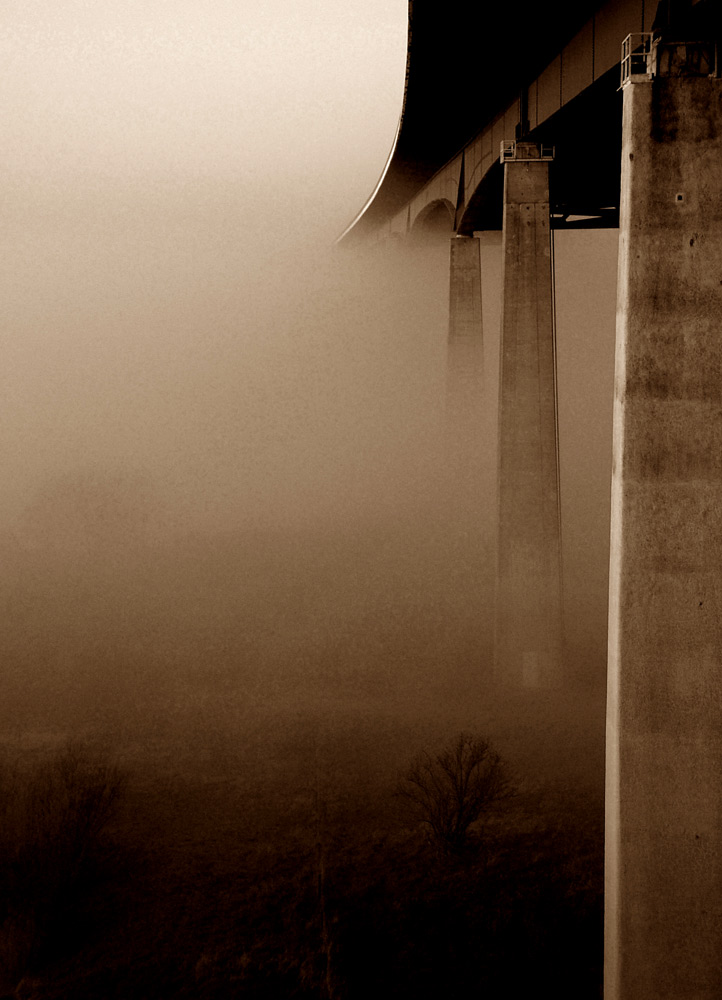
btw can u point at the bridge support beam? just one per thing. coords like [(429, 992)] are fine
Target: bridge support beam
[(663, 933), (464, 396), (528, 632)]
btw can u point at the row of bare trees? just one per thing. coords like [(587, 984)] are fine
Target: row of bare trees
[(56, 811)]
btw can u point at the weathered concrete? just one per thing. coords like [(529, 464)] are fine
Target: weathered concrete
[(528, 635), (664, 740)]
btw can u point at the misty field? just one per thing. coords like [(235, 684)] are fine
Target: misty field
[(202, 741), (206, 880), (277, 861)]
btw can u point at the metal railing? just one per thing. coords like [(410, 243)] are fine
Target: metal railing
[(636, 57), (513, 150)]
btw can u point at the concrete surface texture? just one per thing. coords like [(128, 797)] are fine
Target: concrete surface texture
[(664, 741), (528, 600)]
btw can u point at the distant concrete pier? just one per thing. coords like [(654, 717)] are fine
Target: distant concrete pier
[(664, 741), (465, 396), (466, 357), (528, 600)]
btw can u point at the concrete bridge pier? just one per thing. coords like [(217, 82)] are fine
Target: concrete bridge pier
[(465, 392), (528, 607), (466, 356), (663, 934)]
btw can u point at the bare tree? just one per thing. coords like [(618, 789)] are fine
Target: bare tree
[(455, 788)]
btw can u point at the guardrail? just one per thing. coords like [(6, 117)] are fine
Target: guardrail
[(637, 62), (511, 149)]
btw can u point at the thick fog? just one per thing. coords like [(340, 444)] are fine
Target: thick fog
[(236, 466), (236, 552), (225, 441)]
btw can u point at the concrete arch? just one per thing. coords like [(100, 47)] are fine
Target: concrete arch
[(435, 219), (483, 210), (557, 73)]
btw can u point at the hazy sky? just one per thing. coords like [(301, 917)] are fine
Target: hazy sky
[(170, 173), (280, 106)]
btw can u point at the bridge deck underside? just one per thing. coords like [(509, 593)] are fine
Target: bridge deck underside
[(585, 175), (476, 77)]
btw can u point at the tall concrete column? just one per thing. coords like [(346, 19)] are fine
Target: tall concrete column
[(464, 395), (528, 634), (663, 933)]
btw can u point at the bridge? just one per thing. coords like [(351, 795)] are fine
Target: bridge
[(523, 122)]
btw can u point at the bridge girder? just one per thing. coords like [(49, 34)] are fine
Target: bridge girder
[(478, 74)]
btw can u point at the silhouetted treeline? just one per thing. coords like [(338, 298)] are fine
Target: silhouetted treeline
[(312, 880)]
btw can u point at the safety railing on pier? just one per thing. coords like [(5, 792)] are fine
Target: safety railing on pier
[(513, 150), (636, 57)]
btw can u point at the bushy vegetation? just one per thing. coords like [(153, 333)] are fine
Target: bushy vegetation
[(333, 888)]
